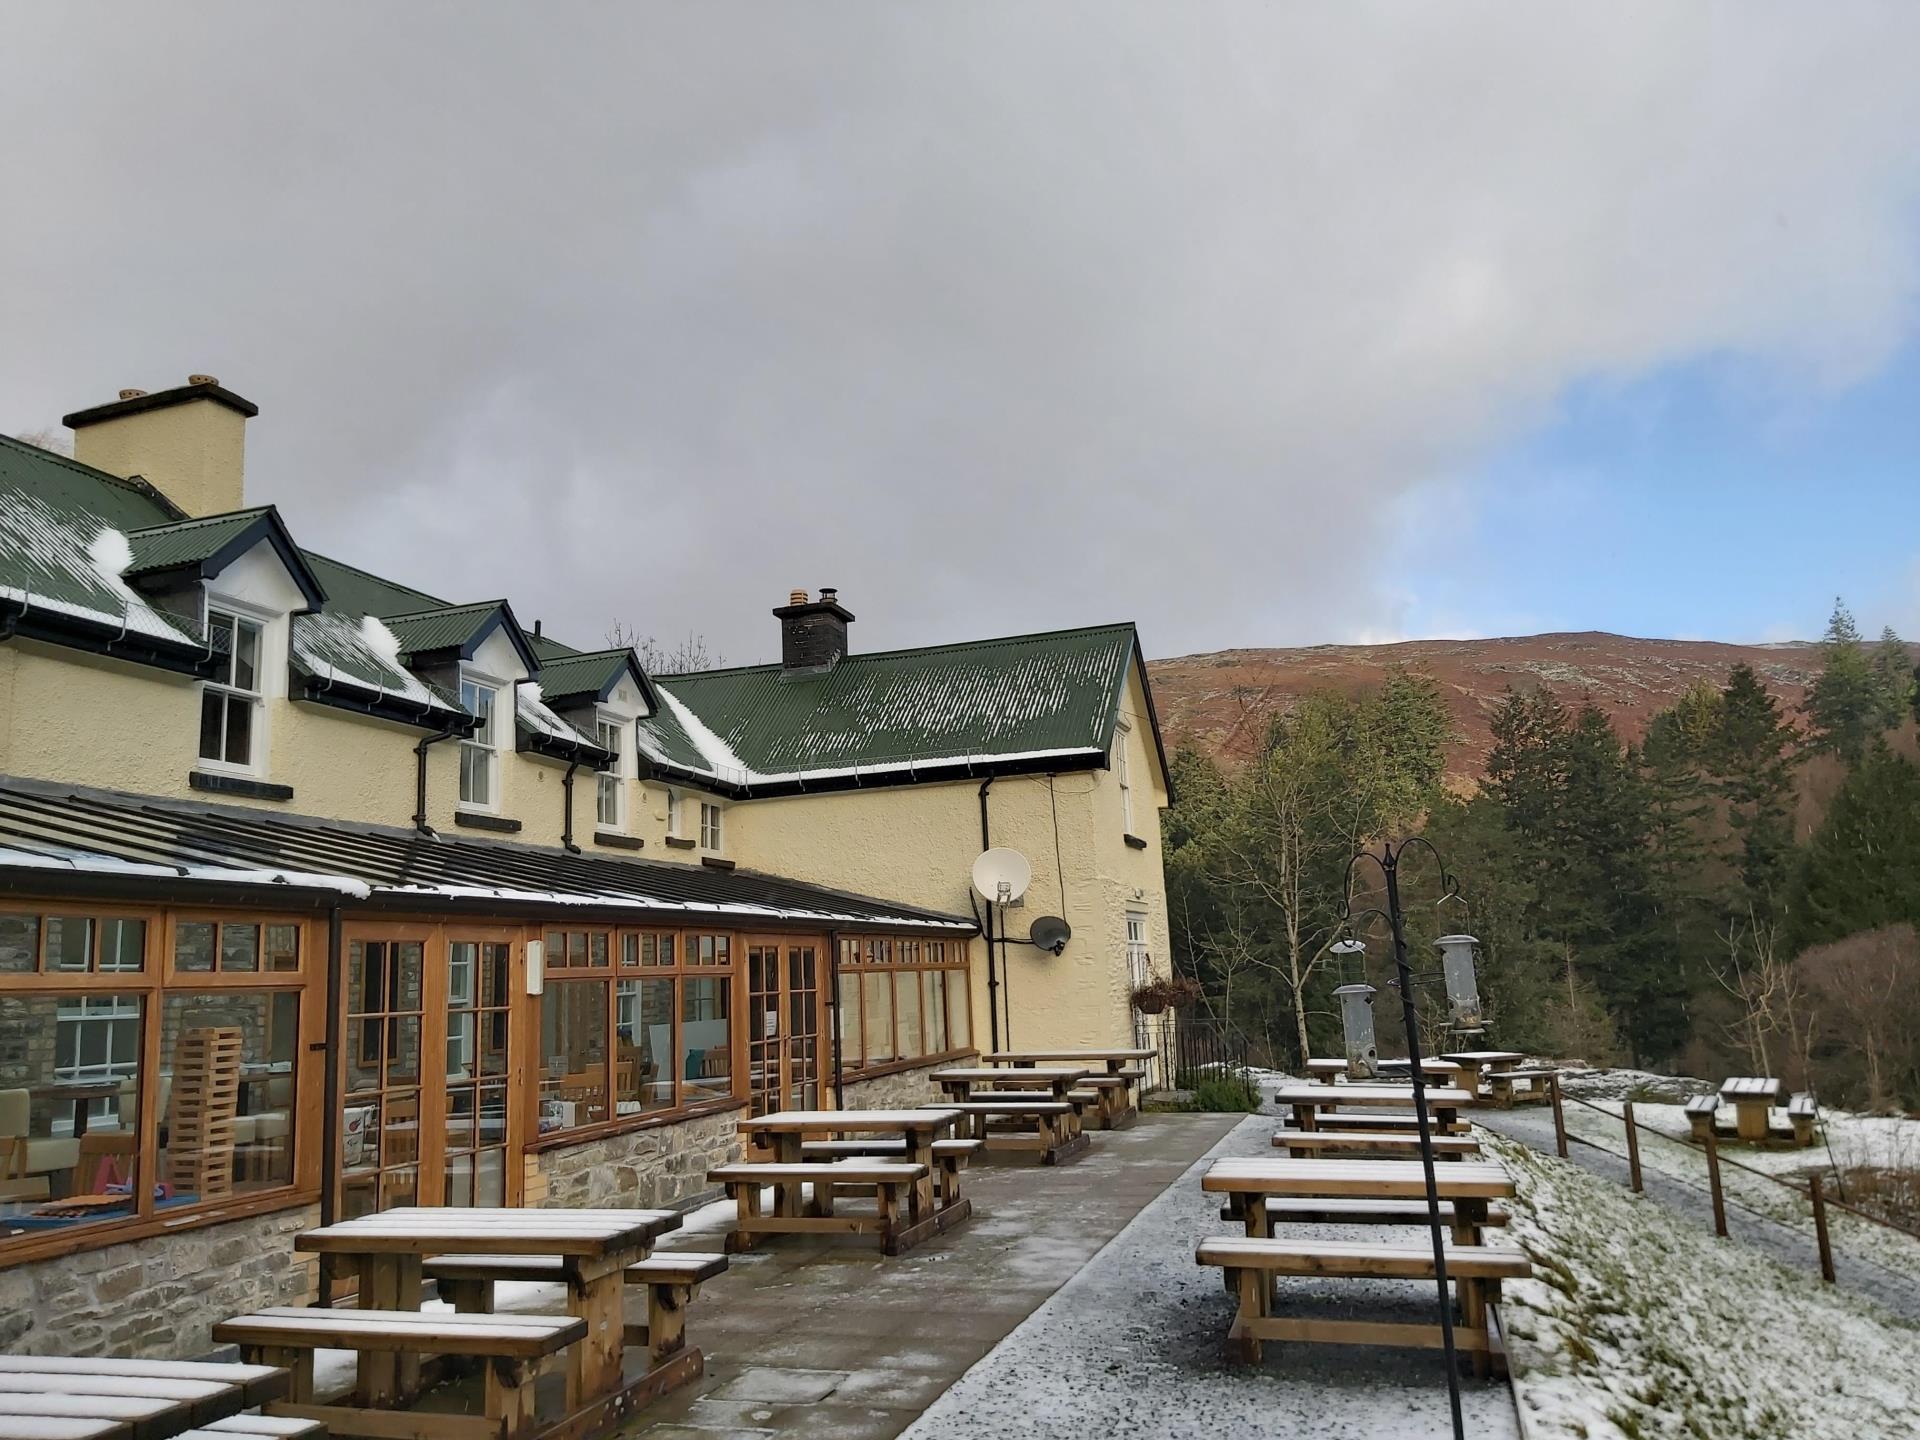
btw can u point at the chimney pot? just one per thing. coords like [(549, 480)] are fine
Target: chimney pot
[(131, 394), (201, 380), (827, 592), (796, 597)]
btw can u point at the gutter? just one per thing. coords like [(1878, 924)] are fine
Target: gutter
[(420, 778)]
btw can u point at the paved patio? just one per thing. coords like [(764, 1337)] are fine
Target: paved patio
[(1027, 1324), (833, 1341)]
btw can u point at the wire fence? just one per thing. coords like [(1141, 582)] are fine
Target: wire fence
[(1802, 1202)]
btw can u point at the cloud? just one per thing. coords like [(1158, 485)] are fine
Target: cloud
[(995, 316)]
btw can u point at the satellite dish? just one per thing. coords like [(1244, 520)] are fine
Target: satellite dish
[(1002, 875), (1050, 933)]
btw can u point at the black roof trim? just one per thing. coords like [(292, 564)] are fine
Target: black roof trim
[(77, 632), (341, 694), (160, 400), (932, 772)]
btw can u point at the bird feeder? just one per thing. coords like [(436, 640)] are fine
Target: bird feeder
[(1463, 988), (1356, 1012)]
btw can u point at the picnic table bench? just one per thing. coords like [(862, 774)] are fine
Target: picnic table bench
[(1381, 1142), (1309, 1101), (1469, 1063), (1051, 1128), (390, 1248), (1501, 1083), (923, 1209), (44, 1397), (891, 1182), (1308, 1210), (1802, 1113), (950, 1156), (671, 1280), (1246, 1182), (1125, 1064), (513, 1344), (1252, 1265), (1391, 1121)]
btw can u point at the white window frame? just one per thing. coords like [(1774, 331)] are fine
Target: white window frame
[(490, 745), (73, 1015), (1139, 967), (611, 731), (713, 834), (1123, 772), (240, 614), (674, 814)]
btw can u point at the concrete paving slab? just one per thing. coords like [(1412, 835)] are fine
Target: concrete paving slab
[(828, 1339)]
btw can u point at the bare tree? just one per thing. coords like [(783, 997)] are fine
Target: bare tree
[(47, 438), (1866, 981), (1770, 991), (657, 658)]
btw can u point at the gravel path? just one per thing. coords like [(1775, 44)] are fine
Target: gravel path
[(1793, 1247), (1134, 1345)]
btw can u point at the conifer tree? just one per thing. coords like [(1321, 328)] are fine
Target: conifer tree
[(1752, 763), (1861, 870), (1893, 679), (1844, 707)]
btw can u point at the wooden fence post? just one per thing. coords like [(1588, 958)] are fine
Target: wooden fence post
[(1818, 1196), (1633, 1149), (1559, 1115), (1713, 1181)]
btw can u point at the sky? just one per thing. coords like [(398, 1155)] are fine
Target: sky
[(1259, 324)]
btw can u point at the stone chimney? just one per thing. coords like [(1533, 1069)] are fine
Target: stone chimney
[(189, 443), (813, 633)]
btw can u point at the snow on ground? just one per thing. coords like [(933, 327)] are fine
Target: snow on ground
[(1640, 1325), (1635, 1085), (1847, 1140), (1135, 1346)]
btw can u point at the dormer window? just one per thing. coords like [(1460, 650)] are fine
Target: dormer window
[(230, 702), (480, 752), (610, 811)]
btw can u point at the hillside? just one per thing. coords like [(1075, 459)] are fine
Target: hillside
[(1220, 703)]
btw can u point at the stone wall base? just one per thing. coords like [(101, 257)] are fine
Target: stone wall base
[(157, 1298)]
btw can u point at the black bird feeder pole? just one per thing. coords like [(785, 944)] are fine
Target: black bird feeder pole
[(1390, 864)]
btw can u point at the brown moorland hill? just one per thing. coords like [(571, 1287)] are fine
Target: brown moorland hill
[(1220, 704)]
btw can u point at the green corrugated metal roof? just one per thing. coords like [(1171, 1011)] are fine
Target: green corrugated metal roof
[(187, 542), (80, 490), (448, 628), (1024, 698), (359, 593), (569, 675)]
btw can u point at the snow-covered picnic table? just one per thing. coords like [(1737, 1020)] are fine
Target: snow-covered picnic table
[(53, 1398)]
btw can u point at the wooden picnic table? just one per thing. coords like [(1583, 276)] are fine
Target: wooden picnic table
[(595, 1247), (785, 1131), (1123, 1066), (961, 1081), (1754, 1099), (45, 1397), (1469, 1064), (1308, 1101), (1468, 1184), (1326, 1071)]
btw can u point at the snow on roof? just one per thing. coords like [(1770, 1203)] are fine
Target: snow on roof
[(360, 653), (531, 709), (77, 571)]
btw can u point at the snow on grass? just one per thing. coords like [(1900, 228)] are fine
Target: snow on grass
[(1855, 1140), (1636, 1085), (1639, 1325)]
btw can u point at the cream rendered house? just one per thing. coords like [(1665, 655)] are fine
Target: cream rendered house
[(464, 914)]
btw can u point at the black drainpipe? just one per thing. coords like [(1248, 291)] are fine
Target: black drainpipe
[(9, 625), (420, 778), (993, 979), (566, 799), (330, 1155), (833, 999)]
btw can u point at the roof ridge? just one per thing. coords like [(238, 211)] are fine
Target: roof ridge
[(193, 520), (361, 570), (443, 609), (864, 655), (133, 484)]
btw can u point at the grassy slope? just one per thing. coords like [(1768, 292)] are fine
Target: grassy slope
[(1639, 1325)]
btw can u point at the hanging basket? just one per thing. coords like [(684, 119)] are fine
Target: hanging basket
[(1153, 997)]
